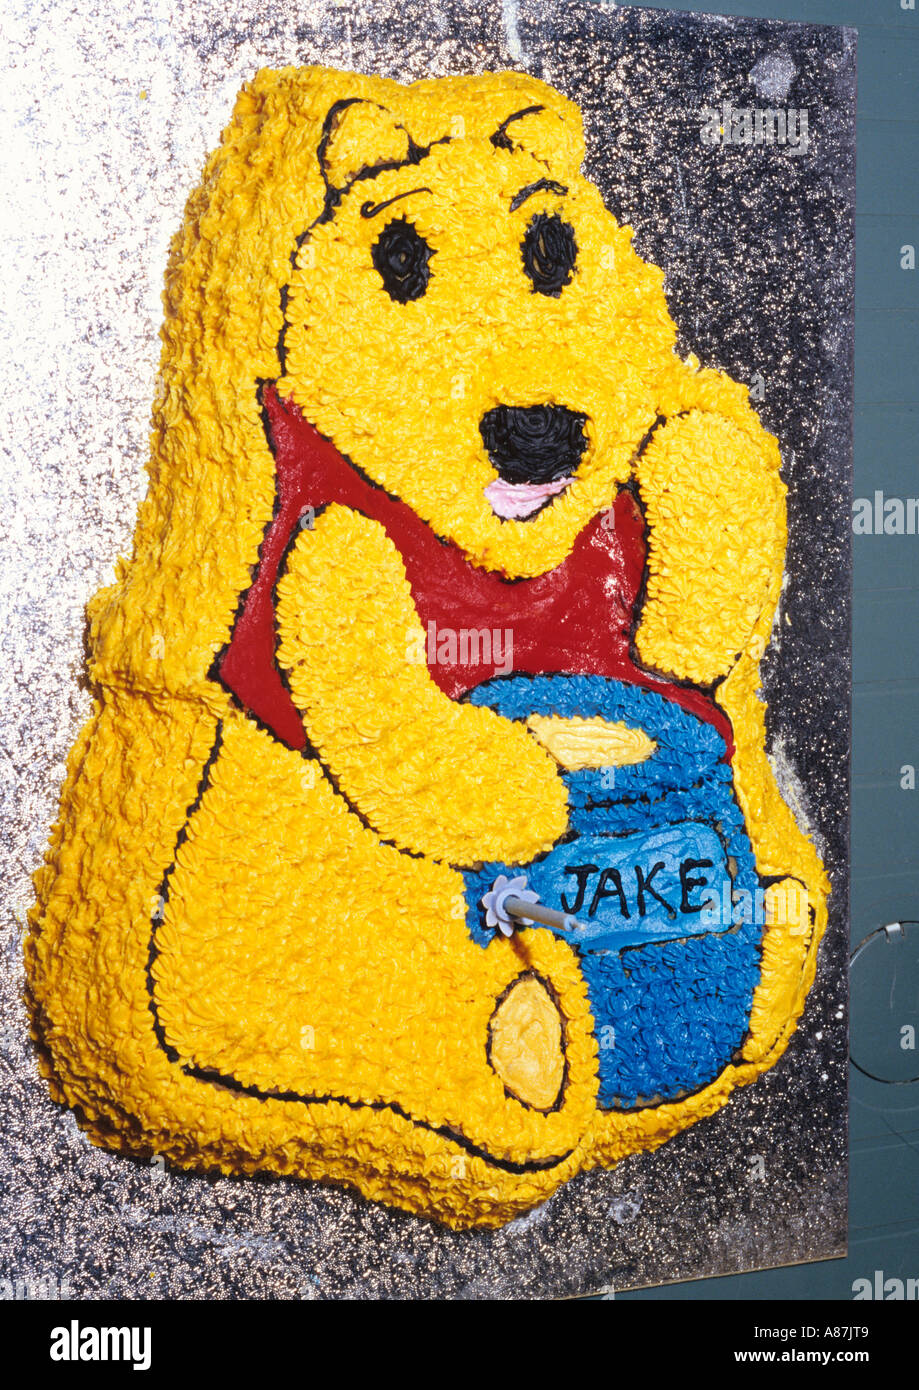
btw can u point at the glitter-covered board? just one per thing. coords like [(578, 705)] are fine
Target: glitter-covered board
[(453, 573)]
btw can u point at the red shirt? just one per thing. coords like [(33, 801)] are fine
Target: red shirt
[(574, 620)]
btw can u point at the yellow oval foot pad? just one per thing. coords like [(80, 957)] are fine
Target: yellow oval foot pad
[(526, 1043)]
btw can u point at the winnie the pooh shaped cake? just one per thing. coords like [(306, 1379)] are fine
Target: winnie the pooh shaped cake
[(423, 839)]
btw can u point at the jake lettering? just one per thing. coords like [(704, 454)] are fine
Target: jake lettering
[(610, 885)]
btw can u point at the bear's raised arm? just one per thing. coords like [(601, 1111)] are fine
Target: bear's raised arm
[(450, 781), (715, 510)]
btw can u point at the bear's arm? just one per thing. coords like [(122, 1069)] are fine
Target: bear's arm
[(450, 781), (715, 512)]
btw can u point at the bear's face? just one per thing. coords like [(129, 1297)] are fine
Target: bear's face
[(473, 330)]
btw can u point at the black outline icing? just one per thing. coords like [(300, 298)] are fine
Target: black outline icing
[(232, 1083), (334, 196), (370, 209), (500, 139), (540, 186), (553, 995), (309, 752), (156, 917)]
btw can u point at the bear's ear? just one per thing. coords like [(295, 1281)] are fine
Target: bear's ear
[(555, 141), (359, 135)]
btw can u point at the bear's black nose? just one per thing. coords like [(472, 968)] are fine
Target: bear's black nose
[(534, 443)]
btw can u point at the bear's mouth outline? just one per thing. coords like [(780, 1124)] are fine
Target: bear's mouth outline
[(524, 501)]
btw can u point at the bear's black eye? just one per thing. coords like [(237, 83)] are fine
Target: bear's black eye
[(400, 256), (549, 253)]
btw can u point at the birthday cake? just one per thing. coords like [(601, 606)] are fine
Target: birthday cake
[(423, 838)]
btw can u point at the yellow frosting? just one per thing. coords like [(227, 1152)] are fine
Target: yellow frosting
[(526, 1043), (578, 743), (324, 964)]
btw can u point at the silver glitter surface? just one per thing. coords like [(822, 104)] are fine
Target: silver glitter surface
[(108, 115)]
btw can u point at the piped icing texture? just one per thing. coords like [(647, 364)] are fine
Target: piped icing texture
[(427, 481), (650, 846)]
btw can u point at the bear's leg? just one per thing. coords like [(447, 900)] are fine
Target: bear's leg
[(240, 985)]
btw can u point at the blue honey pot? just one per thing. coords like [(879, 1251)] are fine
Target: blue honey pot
[(653, 867)]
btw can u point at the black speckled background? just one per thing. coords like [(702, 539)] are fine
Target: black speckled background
[(111, 117)]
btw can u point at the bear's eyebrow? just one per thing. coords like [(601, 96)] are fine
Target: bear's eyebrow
[(370, 209), (501, 140), (541, 185)]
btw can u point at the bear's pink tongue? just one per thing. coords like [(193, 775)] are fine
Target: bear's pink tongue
[(515, 500)]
